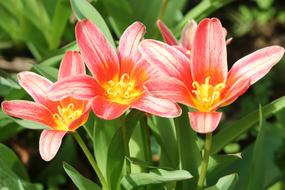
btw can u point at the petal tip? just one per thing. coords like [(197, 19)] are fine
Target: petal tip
[(204, 122)]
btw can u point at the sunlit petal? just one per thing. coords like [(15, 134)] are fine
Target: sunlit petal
[(50, 141), (157, 106), (99, 55), (209, 54), (204, 122), (71, 64)]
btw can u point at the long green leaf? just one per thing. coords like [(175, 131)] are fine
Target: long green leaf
[(188, 149), (13, 162), (83, 9), (256, 179), (203, 9), (229, 133), (225, 183), (81, 182), (157, 176)]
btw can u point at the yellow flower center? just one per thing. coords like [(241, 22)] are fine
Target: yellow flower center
[(65, 116), (122, 91), (206, 95)]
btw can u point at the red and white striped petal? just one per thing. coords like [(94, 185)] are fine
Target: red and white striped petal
[(80, 87), (204, 122), (50, 141), (72, 64), (128, 46), (169, 88), (157, 106), (82, 119), (188, 33), (255, 65), (167, 59), (37, 86), (99, 55), (107, 109), (29, 110), (209, 54), (167, 35)]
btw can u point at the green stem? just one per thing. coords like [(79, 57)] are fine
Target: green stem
[(90, 159), (205, 161), (126, 144)]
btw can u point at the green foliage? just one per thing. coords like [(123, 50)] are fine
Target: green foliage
[(138, 151), (80, 181)]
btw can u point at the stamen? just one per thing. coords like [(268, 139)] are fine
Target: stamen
[(65, 116), (205, 95), (122, 91)]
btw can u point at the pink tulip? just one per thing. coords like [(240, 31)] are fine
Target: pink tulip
[(59, 116), (203, 81), (119, 77)]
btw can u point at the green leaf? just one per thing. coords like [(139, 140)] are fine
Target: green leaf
[(164, 132), (256, 179), (157, 176), (202, 10), (83, 9), (188, 149), (10, 167), (13, 162), (225, 183), (228, 134), (46, 71), (120, 141), (59, 20), (81, 182), (29, 124)]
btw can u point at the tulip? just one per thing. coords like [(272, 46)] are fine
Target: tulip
[(203, 81), (62, 116), (119, 77)]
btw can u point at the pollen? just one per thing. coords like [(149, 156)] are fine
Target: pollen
[(65, 116), (206, 95), (122, 91)]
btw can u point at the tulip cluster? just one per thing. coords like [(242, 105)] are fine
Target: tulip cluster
[(142, 74)]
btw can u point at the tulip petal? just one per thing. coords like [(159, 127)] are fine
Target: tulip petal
[(167, 59), (80, 87), (209, 54), (50, 141), (231, 93), (37, 86), (82, 119), (157, 106), (167, 35), (28, 110), (99, 55), (188, 33), (255, 65), (204, 122), (169, 88), (128, 46), (71, 64), (106, 109)]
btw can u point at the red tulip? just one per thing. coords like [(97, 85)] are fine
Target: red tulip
[(203, 81), (59, 116), (119, 77)]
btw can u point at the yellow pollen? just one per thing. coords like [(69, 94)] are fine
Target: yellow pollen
[(65, 116), (122, 91), (206, 95)]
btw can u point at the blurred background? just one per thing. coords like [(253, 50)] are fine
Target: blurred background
[(34, 34)]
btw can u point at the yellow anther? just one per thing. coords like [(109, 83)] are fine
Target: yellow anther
[(65, 116), (122, 91), (206, 95)]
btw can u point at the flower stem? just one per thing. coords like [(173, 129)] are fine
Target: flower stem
[(205, 161), (90, 159)]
